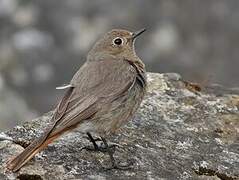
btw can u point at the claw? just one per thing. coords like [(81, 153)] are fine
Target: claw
[(104, 147), (125, 166), (95, 139), (99, 148)]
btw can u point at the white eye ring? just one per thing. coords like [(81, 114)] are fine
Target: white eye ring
[(118, 41)]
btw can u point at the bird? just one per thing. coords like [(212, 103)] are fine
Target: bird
[(102, 96)]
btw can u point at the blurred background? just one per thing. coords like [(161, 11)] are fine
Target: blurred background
[(43, 43)]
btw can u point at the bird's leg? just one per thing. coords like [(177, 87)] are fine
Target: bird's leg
[(115, 165), (106, 148), (96, 147)]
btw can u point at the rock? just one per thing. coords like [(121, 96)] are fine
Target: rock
[(181, 131)]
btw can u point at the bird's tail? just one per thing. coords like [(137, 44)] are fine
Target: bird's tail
[(35, 147)]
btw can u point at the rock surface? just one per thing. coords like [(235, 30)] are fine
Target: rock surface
[(180, 132)]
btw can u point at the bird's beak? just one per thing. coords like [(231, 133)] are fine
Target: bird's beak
[(137, 33)]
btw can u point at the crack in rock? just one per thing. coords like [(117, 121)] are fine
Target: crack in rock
[(29, 177), (210, 172)]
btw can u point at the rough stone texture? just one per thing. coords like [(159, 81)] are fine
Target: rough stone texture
[(181, 131)]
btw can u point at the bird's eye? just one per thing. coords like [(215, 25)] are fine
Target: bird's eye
[(118, 41)]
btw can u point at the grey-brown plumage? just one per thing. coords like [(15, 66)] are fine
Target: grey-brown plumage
[(101, 97)]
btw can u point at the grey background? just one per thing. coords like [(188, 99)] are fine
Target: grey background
[(44, 42)]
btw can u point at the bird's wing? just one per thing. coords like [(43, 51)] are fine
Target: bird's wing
[(95, 82), (94, 85)]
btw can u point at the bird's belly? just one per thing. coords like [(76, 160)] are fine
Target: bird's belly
[(118, 112), (86, 126)]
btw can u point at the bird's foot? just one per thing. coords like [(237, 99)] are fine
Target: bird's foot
[(93, 139), (102, 148), (120, 166), (109, 148), (114, 163)]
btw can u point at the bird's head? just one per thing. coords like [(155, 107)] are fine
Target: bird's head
[(117, 42)]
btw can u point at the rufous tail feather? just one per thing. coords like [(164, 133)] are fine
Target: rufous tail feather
[(35, 147)]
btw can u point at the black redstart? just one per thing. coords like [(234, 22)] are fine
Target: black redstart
[(103, 94)]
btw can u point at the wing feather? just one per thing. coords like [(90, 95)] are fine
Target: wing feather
[(105, 83)]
